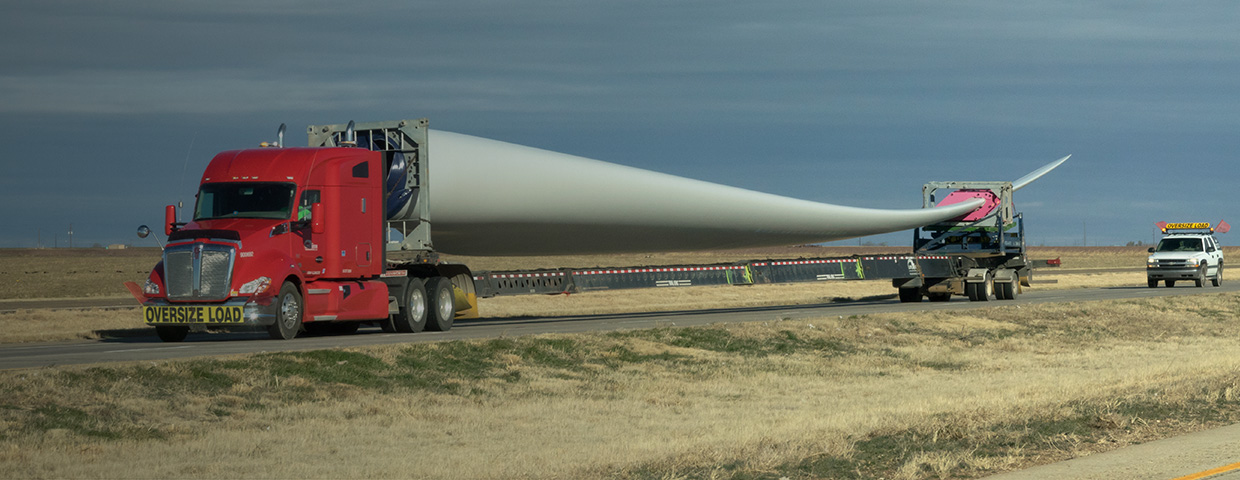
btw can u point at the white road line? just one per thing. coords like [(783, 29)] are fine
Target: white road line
[(148, 349)]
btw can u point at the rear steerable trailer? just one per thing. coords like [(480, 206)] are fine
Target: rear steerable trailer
[(981, 255)]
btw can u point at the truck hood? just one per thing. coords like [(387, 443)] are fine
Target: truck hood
[(250, 231)]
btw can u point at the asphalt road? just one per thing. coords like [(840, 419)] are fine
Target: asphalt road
[(131, 349)]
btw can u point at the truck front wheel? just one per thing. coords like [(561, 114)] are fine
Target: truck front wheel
[(440, 303), (288, 313)]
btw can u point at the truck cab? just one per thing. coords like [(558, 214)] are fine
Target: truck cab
[(1188, 251)]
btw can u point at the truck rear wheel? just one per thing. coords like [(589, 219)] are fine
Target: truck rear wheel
[(910, 295), (288, 313), (440, 304), (412, 316), (171, 334)]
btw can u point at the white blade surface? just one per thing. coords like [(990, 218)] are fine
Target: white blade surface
[(1036, 174), (495, 198)]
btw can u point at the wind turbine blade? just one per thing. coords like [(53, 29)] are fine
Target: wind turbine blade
[(495, 198), (1036, 174)]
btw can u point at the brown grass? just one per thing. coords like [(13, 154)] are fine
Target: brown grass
[(668, 403)]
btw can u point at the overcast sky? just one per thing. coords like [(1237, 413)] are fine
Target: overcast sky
[(110, 110)]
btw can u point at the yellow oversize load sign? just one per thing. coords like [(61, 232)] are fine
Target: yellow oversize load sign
[(192, 314), (1188, 226)]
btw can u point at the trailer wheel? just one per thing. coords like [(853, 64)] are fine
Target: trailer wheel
[(412, 316), (1152, 283), (1218, 275), (1200, 281), (940, 297), (171, 334), (288, 313), (1006, 290), (440, 304), (910, 295), (981, 292)]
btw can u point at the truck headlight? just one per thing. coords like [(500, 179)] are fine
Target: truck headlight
[(257, 285), (150, 288)]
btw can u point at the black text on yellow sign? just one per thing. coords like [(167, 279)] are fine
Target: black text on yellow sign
[(192, 314), (1187, 226)]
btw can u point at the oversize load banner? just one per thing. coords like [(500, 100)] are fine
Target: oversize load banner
[(1186, 226), (192, 314)]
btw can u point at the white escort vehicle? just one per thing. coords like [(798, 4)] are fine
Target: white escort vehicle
[(1188, 251)]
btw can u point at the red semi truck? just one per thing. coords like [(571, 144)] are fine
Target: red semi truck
[(293, 239)]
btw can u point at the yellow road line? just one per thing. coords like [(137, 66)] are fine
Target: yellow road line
[(1213, 471)]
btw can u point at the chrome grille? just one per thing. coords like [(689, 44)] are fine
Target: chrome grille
[(198, 271)]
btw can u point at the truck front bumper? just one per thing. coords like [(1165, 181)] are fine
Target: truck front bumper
[(235, 312)]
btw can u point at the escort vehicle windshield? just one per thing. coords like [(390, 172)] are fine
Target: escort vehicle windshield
[(1179, 245), (245, 200)]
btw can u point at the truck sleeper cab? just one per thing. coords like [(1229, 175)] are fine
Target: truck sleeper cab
[(291, 239)]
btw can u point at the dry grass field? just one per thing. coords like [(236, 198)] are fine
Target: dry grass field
[(906, 396)]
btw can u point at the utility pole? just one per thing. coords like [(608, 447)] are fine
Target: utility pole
[(1084, 235), (70, 235)]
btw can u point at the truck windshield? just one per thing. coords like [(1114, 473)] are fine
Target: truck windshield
[(245, 200), (1179, 245)]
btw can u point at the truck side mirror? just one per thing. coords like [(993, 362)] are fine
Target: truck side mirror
[(1151, 249), (170, 219), (316, 219)]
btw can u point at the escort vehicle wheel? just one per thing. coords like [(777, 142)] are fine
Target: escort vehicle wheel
[(1170, 283), (288, 313), (412, 316), (440, 304), (910, 295), (1152, 283), (1200, 281), (1218, 275), (171, 334)]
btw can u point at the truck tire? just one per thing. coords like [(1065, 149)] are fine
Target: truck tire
[(289, 310), (1201, 280), (1152, 283), (413, 312), (1005, 290), (910, 295), (440, 304), (980, 292), (1218, 275), (171, 334)]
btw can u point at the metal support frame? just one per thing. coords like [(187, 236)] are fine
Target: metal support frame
[(408, 137), (999, 219)]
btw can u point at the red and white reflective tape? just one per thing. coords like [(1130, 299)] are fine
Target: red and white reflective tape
[(657, 270), (527, 275), (810, 262)]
